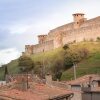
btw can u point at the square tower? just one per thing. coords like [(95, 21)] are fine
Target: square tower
[(41, 38), (78, 19)]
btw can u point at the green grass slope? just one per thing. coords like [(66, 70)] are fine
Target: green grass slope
[(12, 69), (86, 66), (90, 65)]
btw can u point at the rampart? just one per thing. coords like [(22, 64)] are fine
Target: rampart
[(63, 28), (81, 34), (78, 30), (91, 22), (46, 46)]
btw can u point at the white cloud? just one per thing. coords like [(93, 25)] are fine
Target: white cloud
[(18, 29), (7, 55)]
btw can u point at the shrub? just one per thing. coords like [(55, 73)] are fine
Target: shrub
[(98, 38)]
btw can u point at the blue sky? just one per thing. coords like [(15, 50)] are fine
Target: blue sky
[(22, 20)]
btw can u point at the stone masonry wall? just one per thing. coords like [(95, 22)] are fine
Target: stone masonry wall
[(91, 22), (62, 28), (46, 46), (89, 30), (85, 33)]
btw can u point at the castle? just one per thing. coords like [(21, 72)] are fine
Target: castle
[(79, 30)]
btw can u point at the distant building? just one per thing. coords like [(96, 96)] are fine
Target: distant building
[(85, 81), (91, 93), (37, 91)]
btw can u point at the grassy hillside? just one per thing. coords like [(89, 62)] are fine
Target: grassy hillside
[(46, 55), (12, 69), (86, 66), (89, 65)]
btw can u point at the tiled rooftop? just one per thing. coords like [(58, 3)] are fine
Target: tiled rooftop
[(84, 79), (38, 92)]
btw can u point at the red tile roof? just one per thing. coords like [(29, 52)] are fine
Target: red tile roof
[(39, 92), (27, 95), (84, 79)]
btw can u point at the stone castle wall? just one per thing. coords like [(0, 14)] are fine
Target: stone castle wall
[(81, 34), (63, 28), (46, 46), (28, 50), (68, 33), (91, 22)]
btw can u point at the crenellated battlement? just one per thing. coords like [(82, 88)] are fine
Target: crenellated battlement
[(41, 38), (29, 49)]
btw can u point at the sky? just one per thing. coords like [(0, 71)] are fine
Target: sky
[(22, 20)]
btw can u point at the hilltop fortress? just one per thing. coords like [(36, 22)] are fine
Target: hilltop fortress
[(79, 30)]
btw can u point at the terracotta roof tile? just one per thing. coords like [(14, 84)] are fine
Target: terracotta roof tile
[(39, 92), (84, 79)]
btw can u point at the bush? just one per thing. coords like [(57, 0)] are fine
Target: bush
[(66, 46), (74, 56), (98, 38)]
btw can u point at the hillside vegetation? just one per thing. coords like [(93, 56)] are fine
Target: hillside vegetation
[(12, 68), (59, 62)]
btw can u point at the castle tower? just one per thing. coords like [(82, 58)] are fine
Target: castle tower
[(78, 19), (29, 49), (41, 38)]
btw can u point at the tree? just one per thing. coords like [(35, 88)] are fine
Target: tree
[(39, 69), (25, 63), (98, 39), (5, 71), (74, 56), (57, 67), (66, 46)]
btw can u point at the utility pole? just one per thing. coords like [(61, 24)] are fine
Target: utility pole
[(74, 66), (27, 80)]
